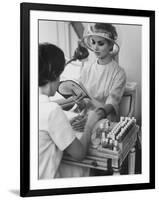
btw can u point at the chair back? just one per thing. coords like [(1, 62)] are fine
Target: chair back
[(127, 105)]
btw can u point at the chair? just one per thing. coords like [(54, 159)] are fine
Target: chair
[(128, 102), (127, 108)]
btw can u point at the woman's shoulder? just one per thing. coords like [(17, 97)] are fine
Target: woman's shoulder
[(88, 65), (118, 71), (118, 67)]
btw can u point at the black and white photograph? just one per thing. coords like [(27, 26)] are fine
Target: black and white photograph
[(103, 101), (86, 74)]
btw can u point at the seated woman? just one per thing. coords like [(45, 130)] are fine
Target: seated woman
[(104, 79)]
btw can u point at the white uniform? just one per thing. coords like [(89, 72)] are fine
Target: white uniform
[(105, 83), (55, 135)]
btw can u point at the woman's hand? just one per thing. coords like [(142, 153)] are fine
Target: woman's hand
[(92, 119), (86, 105)]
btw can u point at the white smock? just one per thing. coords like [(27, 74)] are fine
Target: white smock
[(55, 135), (104, 83)]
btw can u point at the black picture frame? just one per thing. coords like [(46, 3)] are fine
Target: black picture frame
[(25, 9)]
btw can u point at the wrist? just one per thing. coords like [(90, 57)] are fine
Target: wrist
[(88, 128), (101, 112)]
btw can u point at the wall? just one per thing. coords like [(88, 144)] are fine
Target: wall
[(56, 33), (130, 58)]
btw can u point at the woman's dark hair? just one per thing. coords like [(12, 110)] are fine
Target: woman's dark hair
[(51, 63)]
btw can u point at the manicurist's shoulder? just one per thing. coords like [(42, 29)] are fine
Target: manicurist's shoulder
[(55, 113), (54, 107), (46, 107)]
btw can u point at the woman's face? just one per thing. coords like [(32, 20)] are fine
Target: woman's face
[(100, 46)]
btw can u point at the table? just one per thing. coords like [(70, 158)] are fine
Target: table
[(106, 159)]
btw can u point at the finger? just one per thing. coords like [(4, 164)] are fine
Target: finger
[(78, 125)]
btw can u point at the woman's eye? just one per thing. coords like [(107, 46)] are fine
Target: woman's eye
[(100, 43), (93, 42)]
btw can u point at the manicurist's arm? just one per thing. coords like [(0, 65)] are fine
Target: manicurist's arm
[(78, 148)]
